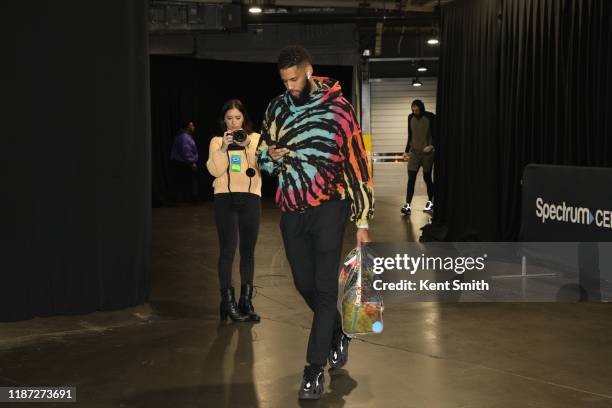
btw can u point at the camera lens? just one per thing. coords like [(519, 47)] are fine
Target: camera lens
[(239, 135)]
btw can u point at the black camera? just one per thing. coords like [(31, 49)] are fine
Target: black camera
[(239, 136)]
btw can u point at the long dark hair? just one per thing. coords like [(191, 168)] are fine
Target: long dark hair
[(247, 125)]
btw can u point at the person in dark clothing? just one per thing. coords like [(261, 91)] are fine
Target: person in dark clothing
[(310, 140), (420, 152), (184, 162)]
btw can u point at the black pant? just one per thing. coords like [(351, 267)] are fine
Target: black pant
[(313, 244), (237, 214), (412, 176), (185, 180)]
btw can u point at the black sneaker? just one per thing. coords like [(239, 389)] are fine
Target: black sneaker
[(338, 356), (406, 210), (312, 384)]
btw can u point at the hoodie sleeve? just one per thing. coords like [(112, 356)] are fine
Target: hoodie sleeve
[(217, 159), (432, 130), (407, 149), (265, 162), (357, 172)]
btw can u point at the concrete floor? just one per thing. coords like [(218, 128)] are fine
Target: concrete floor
[(175, 353)]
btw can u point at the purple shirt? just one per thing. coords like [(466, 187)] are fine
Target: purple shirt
[(184, 149)]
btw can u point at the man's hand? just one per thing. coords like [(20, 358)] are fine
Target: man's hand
[(363, 236), (277, 153), (405, 156), (194, 167), (428, 149)]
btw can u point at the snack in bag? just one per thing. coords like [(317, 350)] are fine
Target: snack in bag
[(360, 305)]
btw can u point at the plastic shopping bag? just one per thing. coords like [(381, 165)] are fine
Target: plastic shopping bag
[(360, 305)]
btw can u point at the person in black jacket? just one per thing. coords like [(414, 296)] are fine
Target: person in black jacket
[(420, 152)]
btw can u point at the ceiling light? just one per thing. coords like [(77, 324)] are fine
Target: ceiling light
[(255, 6)]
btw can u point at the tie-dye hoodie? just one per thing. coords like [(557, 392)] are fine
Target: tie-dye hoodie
[(327, 159)]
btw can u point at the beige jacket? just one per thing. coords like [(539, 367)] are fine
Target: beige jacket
[(218, 163)]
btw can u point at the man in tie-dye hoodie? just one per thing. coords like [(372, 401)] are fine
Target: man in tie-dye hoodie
[(311, 141)]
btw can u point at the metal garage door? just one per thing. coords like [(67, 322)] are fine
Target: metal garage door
[(390, 101)]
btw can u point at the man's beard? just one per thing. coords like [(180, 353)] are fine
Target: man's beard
[(304, 94)]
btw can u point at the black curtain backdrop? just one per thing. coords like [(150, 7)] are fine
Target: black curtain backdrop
[(466, 160), (521, 82), (189, 88), (80, 165)]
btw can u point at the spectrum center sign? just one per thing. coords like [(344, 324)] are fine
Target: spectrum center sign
[(572, 214)]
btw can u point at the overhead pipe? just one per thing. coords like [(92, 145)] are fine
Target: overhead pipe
[(387, 5), (378, 5)]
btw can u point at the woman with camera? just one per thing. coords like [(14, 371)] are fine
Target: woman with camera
[(237, 205)]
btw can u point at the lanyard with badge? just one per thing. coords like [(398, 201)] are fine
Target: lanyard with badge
[(235, 161)]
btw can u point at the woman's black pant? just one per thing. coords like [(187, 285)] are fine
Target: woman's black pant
[(237, 216), (313, 244)]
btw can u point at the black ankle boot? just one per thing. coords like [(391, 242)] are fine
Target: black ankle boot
[(245, 305), (229, 308)]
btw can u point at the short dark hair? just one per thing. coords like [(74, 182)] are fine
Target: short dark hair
[(419, 103), (293, 55), (184, 123), (247, 125)]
